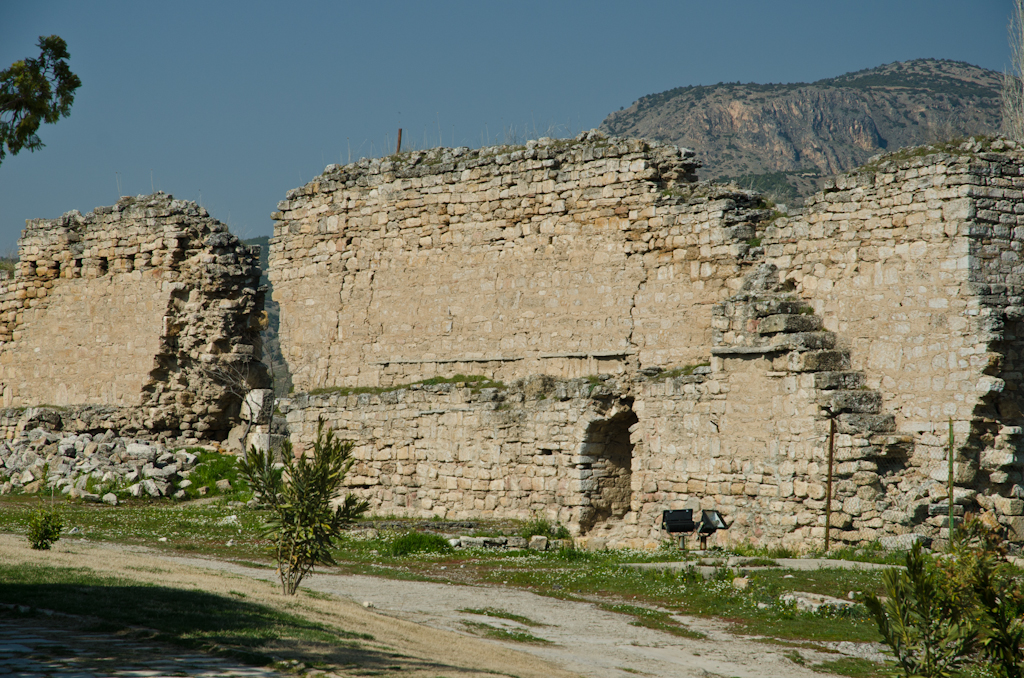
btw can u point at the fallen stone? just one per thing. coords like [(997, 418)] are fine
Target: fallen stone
[(110, 498), (538, 543), (810, 602)]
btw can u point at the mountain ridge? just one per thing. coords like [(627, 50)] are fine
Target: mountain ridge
[(786, 138)]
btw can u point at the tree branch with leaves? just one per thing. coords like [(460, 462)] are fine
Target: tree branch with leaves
[(35, 91)]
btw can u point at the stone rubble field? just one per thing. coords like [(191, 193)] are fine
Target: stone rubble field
[(68, 462)]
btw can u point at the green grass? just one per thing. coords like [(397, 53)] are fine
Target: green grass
[(684, 371), (501, 614), (475, 382), (571, 574), (211, 467), (186, 527), (544, 528), (488, 631), (195, 619), (653, 619), (759, 562), (872, 553), (771, 552), (418, 542), (855, 667)]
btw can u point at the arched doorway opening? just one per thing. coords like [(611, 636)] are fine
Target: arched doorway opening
[(607, 469)]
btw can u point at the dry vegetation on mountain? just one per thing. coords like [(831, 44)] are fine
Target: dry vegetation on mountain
[(782, 139)]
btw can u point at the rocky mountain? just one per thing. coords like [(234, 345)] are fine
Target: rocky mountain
[(784, 139)]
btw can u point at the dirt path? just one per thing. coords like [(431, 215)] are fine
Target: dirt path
[(423, 620)]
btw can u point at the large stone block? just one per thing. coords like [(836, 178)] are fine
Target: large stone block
[(819, 361), (789, 323)]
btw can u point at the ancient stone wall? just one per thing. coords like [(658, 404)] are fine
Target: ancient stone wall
[(562, 258), (734, 334), (915, 264), (541, 447), (149, 306)]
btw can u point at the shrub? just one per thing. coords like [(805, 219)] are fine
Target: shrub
[(418, 542), (919, 620), (44, 527), (544, 528), (304, 525), (940, 610)]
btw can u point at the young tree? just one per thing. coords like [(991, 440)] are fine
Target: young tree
[(1013, 79), (35, 91), (300, 493), (925, 629)]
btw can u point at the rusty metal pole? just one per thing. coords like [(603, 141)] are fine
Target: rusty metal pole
[(951, 483), (828, 488), (399, 149)]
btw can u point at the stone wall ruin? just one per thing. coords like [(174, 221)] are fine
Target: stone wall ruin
[(142, 317), (688, 340)]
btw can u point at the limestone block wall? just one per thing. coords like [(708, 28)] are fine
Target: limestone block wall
[(149, 304), (915, 264), (565, 258), (891, 305), (541, 447)]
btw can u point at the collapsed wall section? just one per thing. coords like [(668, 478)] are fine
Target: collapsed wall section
[(149, 306), (915, 263)]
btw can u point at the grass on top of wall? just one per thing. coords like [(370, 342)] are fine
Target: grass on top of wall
[(475, 382)]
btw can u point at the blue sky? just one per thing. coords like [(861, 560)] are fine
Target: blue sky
[(236, 102)]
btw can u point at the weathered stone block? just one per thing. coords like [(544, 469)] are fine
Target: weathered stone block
[(1008, 506), (819, 361), (789, 323), (804, 341), (865, 423), (859, 401)]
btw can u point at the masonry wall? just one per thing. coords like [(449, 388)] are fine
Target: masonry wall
[(539, 447), (149, 305), (916, 264), (562, 258), (891, 306)]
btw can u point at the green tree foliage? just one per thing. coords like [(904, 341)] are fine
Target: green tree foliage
[(1002, 615), (919, 621), (303, 495), (964, 606), (35, 91), (44, 527)]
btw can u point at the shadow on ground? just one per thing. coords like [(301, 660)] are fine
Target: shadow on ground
[(226, 626)]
